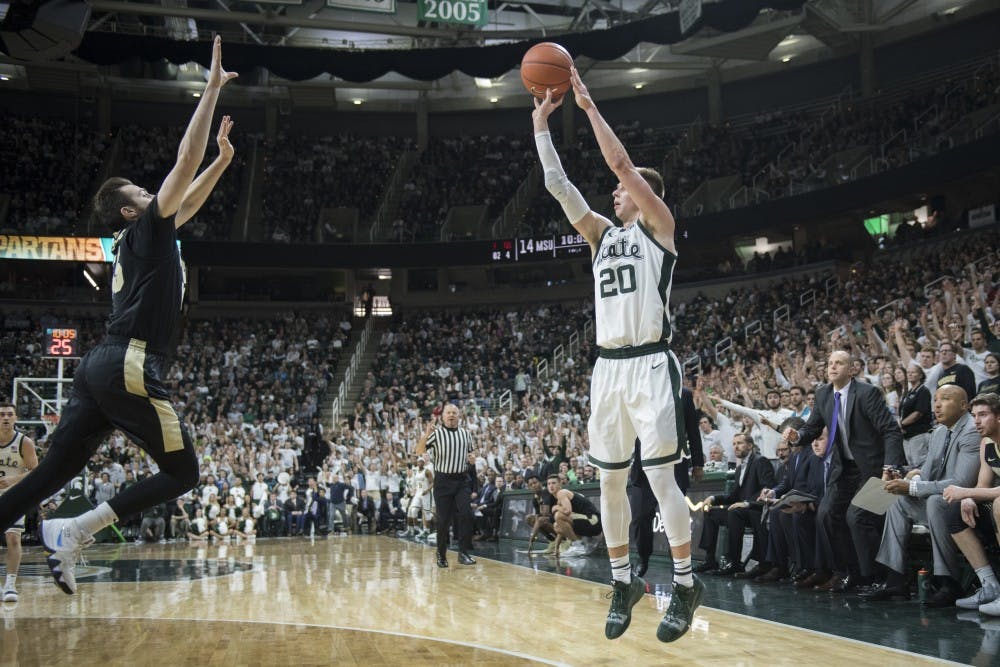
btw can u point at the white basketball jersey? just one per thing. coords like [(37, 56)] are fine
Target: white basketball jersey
[(633, 275), (11, 461)]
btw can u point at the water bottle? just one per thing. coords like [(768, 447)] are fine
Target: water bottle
[(923, 584)]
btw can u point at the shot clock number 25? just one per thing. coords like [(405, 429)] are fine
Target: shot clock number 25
[(62, 343)]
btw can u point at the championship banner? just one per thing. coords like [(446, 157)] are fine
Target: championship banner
[(58, 248), (465, 12), (380, 6)]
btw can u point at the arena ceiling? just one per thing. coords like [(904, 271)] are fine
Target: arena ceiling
[(330, 54)]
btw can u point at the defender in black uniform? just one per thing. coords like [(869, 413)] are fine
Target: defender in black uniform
[(575, 518), (118, 384)]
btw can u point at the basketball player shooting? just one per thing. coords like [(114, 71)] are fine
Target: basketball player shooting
[(636, 384), (119, 384)]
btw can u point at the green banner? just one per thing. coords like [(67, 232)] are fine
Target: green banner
[(466, 12)]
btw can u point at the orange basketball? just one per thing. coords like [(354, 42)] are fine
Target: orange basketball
[(546, 65)]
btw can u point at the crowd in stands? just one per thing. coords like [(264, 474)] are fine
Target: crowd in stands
[(148, 154), (48, 169), (469, 170), (778, 154), (304, 175), (250, 390)]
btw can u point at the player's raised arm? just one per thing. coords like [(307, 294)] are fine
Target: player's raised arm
[(655, 214), (198, 191), (192, 147), (589, 224)]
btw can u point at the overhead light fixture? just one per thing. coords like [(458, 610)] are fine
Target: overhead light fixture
[(90, 279), (357, 101), (483, 82), (195, 94), (4, 77), (786, 59), (494, 100), (639, 86), (951, 10), (637, 70)]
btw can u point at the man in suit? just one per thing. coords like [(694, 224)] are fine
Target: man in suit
[(952, 458), (753, 474), (640, 494), (317, 506), (792, 474), (483, 506), (295, 513), (366, 509), (864, 438), (390, 512)]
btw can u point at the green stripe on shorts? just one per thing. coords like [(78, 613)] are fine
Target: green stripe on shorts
[(604, 465)]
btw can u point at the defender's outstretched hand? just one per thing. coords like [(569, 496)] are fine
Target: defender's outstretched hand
[(226, 150), (218, 77), (580, 91)]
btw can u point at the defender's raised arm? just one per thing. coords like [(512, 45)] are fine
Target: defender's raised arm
[(192, 147)]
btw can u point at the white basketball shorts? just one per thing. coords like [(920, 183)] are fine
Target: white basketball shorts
[(636, 397)]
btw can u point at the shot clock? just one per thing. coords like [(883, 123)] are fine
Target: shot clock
[(62, 343)]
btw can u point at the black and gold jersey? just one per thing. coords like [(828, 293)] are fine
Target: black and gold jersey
[(148, 279)]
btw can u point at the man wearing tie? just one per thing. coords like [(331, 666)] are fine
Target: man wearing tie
[(864, 438), (952, 458)]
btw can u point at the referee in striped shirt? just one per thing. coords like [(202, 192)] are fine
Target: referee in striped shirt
[(449, 447)]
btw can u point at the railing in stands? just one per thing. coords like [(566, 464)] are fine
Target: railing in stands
[(922, 119), (542, 369), (886, 306), (503, 226), (352, 368), (692, 365), (506, 400), (721, 348), (891, 140), (391, 195), (929, 286), (981, 131)]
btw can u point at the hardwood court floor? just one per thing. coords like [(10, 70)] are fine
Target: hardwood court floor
[(365, 601)]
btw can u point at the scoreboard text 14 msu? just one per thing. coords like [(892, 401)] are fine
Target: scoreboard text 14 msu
[(539, 247)]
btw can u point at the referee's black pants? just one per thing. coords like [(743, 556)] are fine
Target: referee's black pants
[(453, 499)]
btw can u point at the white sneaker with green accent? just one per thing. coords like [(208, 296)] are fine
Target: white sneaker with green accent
[(10, 594)]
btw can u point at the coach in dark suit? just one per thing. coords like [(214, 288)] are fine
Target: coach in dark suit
[(737, 510), (864, 438), (640, 494)]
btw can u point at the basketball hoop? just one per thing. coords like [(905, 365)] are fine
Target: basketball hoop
[(51, 421)]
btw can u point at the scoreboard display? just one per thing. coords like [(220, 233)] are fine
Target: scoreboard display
[(62, 342), (558, 246)]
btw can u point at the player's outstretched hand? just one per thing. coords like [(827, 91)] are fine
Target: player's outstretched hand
[(544, 108), (218, 77), (226, 150), (580, 91)]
